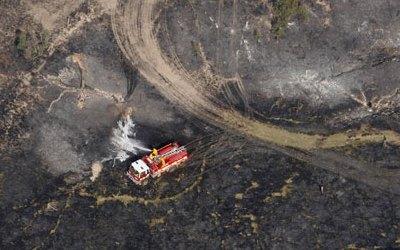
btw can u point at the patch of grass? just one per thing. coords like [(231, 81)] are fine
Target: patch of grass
[(20, 41), (285, 190), (284, 11), (156, 221), (196, 48), (32, 45), (41, 44)]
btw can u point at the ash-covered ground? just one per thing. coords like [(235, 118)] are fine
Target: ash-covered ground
[(319, 67)]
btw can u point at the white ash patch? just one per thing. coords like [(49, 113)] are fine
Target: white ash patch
[(246, 26), (363, 27), (308, 85), (57, 151), (249, 51)]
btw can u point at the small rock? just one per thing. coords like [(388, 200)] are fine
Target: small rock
[(237, 166), (239, 196)]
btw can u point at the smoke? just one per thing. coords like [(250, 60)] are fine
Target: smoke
[(123, 139)]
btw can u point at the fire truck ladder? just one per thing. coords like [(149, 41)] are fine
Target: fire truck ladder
[(174, 151)]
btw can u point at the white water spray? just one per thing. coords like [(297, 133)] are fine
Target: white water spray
[(123, 139)]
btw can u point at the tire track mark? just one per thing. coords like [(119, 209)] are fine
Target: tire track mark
[(134, 25)]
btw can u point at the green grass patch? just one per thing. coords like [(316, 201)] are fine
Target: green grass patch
[(196, 49), (20, 41), (32, 45), (284, 12)]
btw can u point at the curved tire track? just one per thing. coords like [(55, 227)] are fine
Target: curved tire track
[(134, 24)]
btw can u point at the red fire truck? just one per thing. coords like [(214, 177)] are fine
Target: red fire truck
[(159, 161)]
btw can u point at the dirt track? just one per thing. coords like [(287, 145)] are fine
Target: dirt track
[(135, 23)]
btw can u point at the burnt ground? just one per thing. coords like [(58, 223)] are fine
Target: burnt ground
[(235, 192)]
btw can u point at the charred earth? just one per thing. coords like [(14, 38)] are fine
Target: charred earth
[(289, 110)]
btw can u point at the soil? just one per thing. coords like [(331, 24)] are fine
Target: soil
[(294, 140)]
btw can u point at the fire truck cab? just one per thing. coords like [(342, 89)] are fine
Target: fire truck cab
[(138, 172)]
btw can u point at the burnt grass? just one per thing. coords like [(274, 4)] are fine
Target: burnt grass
[(209, 216), (259, 198)]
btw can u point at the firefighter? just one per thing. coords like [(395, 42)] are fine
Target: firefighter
[(153, 154), (162, 163)]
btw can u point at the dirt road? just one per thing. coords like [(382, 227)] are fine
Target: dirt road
[(134, 24)]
